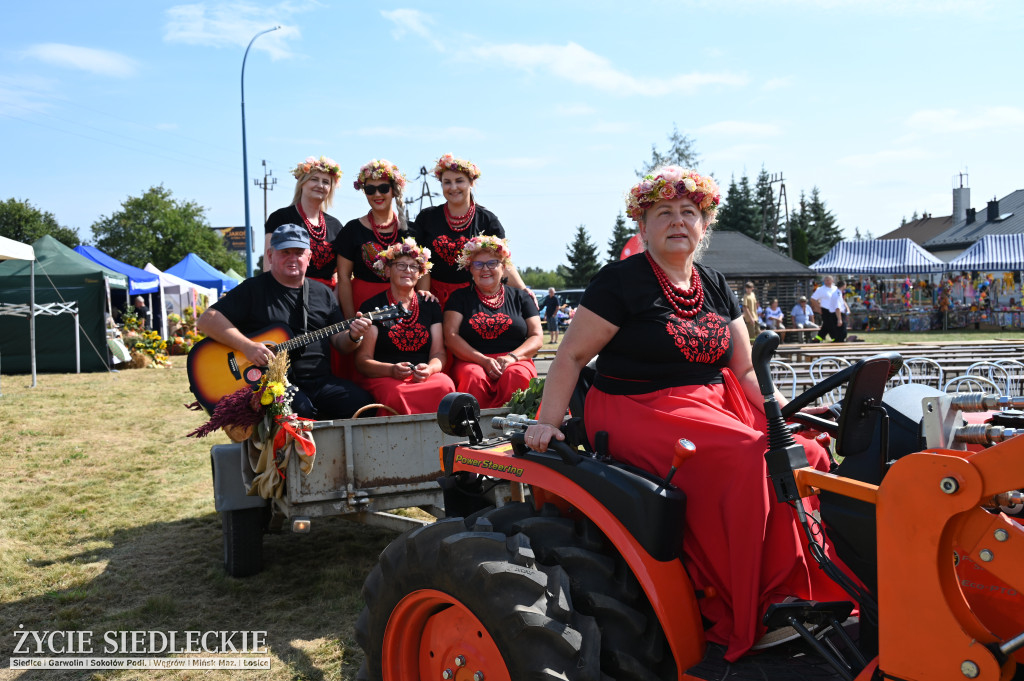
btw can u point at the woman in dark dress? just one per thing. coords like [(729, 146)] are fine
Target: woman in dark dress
[(361, 240), (401, 366), (445, 229), (492, 329), (674, 361), (316, 180)]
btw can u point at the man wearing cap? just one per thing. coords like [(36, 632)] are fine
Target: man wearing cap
[(284, 296), (803, 316)]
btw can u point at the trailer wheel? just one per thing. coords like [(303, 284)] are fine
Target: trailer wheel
[(243, 540), (449, 602)]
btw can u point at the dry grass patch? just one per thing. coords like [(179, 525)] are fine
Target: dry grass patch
[(108, 525)]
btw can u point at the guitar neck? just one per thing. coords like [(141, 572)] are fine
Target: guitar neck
[(312, 336)]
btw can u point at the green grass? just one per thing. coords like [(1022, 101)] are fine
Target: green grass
[(108, 524)]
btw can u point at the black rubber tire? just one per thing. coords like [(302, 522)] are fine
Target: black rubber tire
[(525, 607), (243, 541), (633, 645)]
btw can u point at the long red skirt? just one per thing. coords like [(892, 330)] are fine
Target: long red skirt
[(443, 289), (738, 538), (408, 396), (471, 378), (344, 366)]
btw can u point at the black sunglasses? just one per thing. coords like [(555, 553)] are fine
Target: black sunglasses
[(372, 189)]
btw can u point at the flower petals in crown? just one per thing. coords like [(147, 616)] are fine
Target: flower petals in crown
[(405, 248), (673, 182), (449, 162), (484, 242), (323, 164), (379, 170)]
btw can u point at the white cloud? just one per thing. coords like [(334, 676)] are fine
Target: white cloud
[(412, 21), (773, 84), (954, 121), (611, 128), (100, 62), (453, 132), (579, 65), (739, 128), (574, 110), (20, 94), (234, 25), (886, 157)]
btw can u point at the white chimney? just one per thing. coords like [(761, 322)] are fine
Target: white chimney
[(961, 198)]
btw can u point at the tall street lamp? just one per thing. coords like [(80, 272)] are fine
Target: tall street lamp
[(245, 164)]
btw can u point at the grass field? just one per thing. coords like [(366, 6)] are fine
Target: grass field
[(108, 524)]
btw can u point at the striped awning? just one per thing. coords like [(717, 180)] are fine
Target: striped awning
[(878, 256), (998, 252)]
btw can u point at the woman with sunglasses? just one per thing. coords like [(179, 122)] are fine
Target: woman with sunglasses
[(315, 182), (445, 229), (361, 240), (492, 329), (401, 365)]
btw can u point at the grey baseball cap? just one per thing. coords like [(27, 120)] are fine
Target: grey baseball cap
[(289, 236)]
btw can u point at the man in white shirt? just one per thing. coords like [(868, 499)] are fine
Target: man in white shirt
[(803, 316), (827, 299)]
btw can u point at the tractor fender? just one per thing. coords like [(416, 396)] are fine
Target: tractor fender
[(229, 464)]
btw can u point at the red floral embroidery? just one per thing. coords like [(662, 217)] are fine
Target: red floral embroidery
[(369, 251), (490, 326), (322, 255), (449, 249), (703, 340), (408, 338)]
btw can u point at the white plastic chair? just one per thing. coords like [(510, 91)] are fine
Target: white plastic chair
[(993, 372), (1015, 372), (971, 384), (924, 370), (823, 367), (782, 372), (901, 377)]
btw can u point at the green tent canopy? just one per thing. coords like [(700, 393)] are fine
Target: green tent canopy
[(61, 275)]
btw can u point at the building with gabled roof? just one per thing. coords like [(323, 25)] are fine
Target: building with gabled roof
[(1001, 216)]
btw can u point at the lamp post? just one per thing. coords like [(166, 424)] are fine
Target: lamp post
[(245, 164)]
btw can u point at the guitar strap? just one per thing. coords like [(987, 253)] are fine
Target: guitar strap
[(305, 306)]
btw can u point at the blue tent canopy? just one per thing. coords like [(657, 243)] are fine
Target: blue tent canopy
[(196, 270), (878, 256), (999, 252), (139, 281)]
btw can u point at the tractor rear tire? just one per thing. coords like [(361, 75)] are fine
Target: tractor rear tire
[(243, 541), (447, 596)]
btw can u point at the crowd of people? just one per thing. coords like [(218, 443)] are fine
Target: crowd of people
[(468, 321), (671, 338), (828, 302)]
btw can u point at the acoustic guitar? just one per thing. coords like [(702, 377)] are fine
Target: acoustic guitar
[(216, 370)]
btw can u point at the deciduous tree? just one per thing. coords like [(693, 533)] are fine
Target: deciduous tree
[(681, 152), (21, 221)]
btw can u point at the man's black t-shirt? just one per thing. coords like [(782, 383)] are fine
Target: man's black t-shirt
[(358, 243), (431, 230), (262, 301), (654, 348), (551, 306), (407, 340), (491, 331), (323, 264)]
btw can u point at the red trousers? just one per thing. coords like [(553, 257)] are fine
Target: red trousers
[(471, 378), (738, 538), (408, 396)]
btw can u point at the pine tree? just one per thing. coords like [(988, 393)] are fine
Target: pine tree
[(764, 202), (621, 233), (739, 212), (681, 152), (582, 256), (822, 232), (798, 227)]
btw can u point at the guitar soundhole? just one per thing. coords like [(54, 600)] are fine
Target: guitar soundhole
[(253, 375)]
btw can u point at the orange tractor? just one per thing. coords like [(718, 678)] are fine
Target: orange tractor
[(582, 579)]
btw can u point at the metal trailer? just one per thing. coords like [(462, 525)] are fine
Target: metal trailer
[(364, 468)]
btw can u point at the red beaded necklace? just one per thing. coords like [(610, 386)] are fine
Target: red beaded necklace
[(320, 232), (492, 301), (414, 308), (686, 303), (384, 239), (460, 224)]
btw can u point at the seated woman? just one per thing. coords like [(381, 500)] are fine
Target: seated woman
[(675, 362), (492, 329), (401, 365), (774, 315)]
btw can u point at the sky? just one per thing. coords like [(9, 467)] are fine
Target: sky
[(881, 104)]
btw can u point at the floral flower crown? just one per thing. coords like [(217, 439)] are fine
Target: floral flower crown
[(406, 248), (323, 164), (673, 182), (484, 242), (378, 170), (449, 162)]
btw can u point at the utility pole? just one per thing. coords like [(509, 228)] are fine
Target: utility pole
[(773, 213), (266, 184), (425, 193)]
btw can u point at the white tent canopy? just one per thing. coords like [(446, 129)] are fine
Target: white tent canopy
[(178, 293), (993, 252), (878, 256), (15, 250)]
